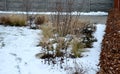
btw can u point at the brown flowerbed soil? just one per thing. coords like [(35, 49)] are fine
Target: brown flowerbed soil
[(110, 54)]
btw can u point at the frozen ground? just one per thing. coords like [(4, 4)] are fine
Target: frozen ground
[(18, 49)]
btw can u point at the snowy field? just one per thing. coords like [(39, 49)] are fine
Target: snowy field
[(18, 49), (49, 13)]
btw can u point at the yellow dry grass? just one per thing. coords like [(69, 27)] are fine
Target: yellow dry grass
[(13, 20)]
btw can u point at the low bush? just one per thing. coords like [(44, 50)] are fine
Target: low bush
[(41, 19), (88, 37)]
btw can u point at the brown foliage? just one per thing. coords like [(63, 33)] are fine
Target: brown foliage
[(13, 20), (110, 55), (4, 20), (41, 19)]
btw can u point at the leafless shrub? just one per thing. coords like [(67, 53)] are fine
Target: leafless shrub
[(64, 21)]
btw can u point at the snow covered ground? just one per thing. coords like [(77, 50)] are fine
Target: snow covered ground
[(49, 13), (18, 49)]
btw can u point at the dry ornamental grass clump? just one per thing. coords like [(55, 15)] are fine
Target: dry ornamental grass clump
[(13, 20), (77, 48), (17, 20), (47, 30)]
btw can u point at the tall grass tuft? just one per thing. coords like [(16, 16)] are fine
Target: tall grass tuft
[(77, 48), (17, 20), (13, 20)]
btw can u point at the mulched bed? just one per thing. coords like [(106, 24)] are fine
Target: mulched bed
[(110, 54)]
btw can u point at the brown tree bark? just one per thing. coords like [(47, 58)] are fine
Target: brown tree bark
[(117, 4)]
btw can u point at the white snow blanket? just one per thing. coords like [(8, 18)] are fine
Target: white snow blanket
[(18, 49)]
